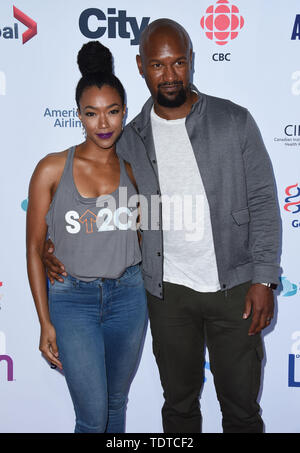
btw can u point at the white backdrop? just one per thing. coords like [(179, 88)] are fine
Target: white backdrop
[(259, 69)]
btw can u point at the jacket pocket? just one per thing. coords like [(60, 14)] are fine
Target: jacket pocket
[(241, 217), (240, 253)]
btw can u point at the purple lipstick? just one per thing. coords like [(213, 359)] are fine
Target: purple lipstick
[(105, 136)]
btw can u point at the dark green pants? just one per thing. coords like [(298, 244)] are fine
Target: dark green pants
[(181, 325)]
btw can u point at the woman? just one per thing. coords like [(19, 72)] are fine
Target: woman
[(93, 323)]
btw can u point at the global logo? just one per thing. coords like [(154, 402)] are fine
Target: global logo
[(222, 22), (9, 32), (292, 204)]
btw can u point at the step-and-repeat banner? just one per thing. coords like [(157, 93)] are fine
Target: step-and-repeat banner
[(244, 50)]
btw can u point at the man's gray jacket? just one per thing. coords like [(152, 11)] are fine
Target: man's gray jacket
[(239, 184)]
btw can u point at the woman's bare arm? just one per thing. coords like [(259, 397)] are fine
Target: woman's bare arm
[(40, 194)]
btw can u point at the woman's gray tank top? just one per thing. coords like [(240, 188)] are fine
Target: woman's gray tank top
[(94, 237)]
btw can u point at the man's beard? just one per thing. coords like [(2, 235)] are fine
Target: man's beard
[(179, 99)]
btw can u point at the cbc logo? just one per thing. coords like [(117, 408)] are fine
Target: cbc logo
[(222, 22), (221, 56)]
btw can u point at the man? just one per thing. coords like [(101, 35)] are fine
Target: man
[(213, 288)]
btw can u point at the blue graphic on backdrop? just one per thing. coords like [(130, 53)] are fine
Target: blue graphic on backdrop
[(207, 367), (288, 288), (24, 204)]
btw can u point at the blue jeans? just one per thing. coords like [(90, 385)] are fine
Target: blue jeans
[(100, 327)]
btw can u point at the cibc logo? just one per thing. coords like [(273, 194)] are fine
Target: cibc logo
[(94, 23), (221, 23), (292, 130), (4, 358), (294, 361)]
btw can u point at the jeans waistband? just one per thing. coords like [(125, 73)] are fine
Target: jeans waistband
[(131, 270)]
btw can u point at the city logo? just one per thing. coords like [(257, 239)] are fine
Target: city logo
[(288, 288), (296, 28), (13, 32), (4, 358), (296, 84), (2, 84), (292, 201), (294, 361), (222, 22), (94, 23)]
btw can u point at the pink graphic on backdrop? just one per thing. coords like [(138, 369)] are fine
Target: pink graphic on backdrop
[(222, 22)]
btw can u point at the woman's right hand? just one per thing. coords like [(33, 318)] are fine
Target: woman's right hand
[(54, 267), (48, 345)]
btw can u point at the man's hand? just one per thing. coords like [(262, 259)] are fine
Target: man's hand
[(53, 266), (259, 301)]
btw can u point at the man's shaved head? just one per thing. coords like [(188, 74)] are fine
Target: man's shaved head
[(165, 61), (164, 28)]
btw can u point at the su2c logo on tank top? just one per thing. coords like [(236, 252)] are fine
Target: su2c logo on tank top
[(108, 218), (105, 220)]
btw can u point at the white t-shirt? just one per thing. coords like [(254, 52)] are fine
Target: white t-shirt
[(189, 255)]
